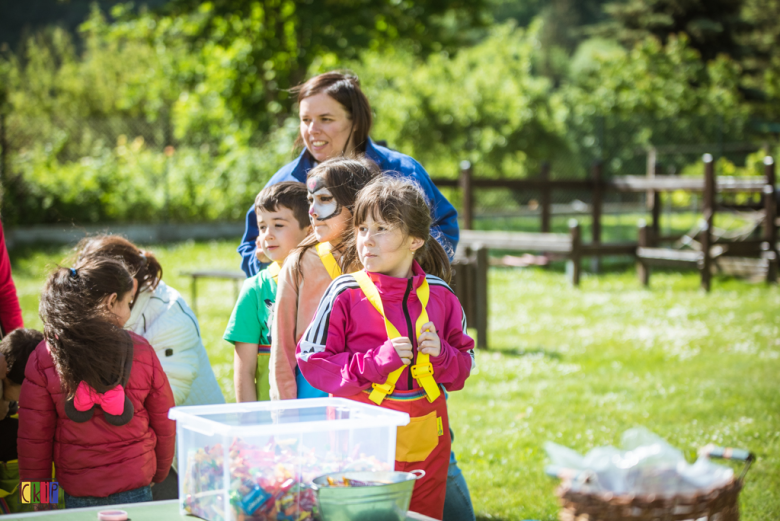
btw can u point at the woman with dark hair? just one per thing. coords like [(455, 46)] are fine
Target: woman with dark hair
[(335, 118)]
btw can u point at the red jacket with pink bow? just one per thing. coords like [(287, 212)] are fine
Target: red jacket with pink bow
[(346, 349), (95, 458)]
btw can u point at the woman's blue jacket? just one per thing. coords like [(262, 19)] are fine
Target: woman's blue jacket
[(445, 217)]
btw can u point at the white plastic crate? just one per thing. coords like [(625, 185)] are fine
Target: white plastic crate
[(257, 460)]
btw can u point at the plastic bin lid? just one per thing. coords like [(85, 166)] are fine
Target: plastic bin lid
[(306, 415)]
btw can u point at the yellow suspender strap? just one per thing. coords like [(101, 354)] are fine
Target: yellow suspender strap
[(273, 270), (331, 266), (423, 369)]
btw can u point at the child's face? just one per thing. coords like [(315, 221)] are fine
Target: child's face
[(279, 232), (328, 218), (385, 249), (11, 390)]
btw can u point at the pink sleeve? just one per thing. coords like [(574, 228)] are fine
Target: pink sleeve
[(324, 359), (10, 312), (37, 423), (454, 364)]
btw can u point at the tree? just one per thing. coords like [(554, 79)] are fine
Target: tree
[(269, 45), (713, 26), (483, 104)]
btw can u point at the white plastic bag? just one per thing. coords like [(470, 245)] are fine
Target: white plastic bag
[(646, 464)]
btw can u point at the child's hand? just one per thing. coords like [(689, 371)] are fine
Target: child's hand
[(428, 341), (403, 346)]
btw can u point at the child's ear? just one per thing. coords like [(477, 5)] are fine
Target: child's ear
[(110, 301), (416, 244), (309, 230)]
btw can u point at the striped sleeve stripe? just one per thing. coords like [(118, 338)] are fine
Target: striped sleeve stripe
[(317, 332), (433, 280), (436, 281)]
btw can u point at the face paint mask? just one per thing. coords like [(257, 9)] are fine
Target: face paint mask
[(316, 186)]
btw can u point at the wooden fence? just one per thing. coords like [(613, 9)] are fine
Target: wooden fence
[(471, 259)]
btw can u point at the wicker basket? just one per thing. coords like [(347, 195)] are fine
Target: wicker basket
[(717, 504)]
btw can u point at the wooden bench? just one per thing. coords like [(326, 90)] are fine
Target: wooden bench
[(752, 256), (235, 276)]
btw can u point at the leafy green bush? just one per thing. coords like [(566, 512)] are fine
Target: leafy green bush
[(130, 182), (483, 104)]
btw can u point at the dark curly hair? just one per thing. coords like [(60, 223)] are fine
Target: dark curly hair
[(85, 343), (17, 347)]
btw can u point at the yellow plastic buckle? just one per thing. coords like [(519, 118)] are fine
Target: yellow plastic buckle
[(384, 388), (380, 392), (422, 371)]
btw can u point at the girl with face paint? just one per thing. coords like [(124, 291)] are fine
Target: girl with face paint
[(329, 218), (308, 271)]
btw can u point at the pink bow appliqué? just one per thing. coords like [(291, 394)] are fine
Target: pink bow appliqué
[(112, 401)]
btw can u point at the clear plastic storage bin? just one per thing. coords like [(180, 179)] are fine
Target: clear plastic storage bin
[(257, 460)]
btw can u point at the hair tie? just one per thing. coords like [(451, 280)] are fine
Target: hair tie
[(74, 274)]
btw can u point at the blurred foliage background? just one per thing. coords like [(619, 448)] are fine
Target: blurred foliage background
[(179, 110)]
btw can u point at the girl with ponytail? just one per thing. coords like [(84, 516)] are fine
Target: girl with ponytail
[(161, 315), (95, 399), (394, 333)]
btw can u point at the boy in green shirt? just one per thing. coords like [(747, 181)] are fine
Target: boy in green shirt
[(283, 222)]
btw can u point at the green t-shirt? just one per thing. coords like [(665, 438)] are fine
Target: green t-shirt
[(251, 321)]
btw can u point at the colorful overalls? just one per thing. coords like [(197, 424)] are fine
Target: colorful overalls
[(425, 442), (347, 351)]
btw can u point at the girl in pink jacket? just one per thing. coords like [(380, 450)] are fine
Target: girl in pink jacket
[(306, 273), (394, 334)]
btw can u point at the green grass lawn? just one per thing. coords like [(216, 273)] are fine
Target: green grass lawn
[(576, 366)]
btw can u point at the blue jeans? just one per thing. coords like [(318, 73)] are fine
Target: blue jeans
[(138, 495), (457, 503)]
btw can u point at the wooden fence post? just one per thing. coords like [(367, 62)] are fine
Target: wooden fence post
[(470, 287), (655, 218), (545, 198), (575, 258), (465, 189), (709, 214), (598, 190), (770, 229), (653, 199), (642, 269), (482, 296)]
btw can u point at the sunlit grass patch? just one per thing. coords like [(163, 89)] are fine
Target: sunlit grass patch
[(576, 366)]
